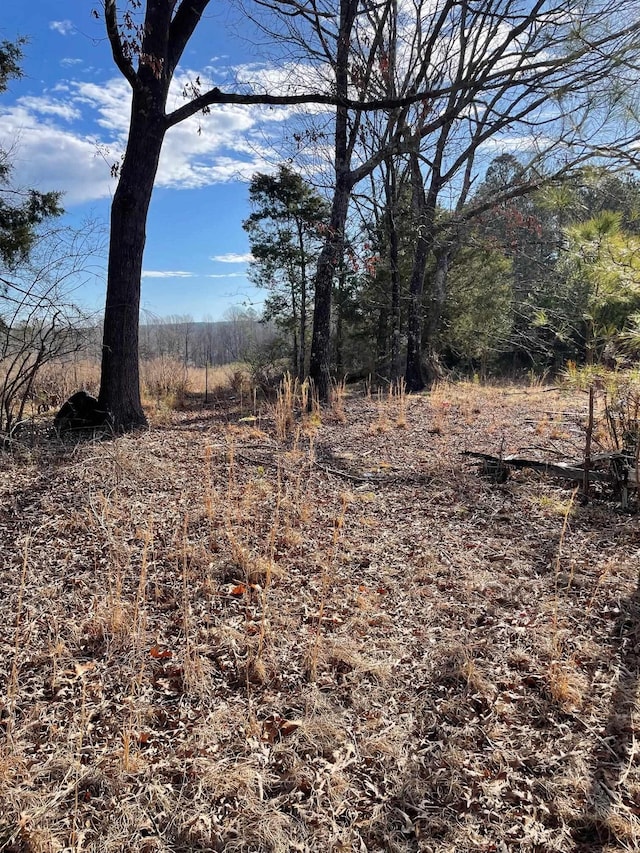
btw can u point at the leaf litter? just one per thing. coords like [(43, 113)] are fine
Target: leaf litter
[(345, 640)]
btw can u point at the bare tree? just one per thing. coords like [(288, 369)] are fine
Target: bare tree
[(534, 77), (357, 46), (38, 320), (147, 42)]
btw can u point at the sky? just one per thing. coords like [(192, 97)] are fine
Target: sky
[(65, 123)]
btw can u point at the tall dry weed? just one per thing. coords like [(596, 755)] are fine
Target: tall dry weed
[(329, 572), (297, 407), (337, 399), (165, 381)]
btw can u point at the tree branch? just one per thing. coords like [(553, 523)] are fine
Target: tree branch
[(123, 62), (216, 96), (182, 28)]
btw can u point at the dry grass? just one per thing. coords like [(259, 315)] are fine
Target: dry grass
[(168, 384), (56, 380), (318, 634)]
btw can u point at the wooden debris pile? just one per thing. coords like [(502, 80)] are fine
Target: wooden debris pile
[(616, 469)]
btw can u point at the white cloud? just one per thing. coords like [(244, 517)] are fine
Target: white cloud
[(69, 62), (51, 107), (287, 78), (233, 258), (110, 102), (167, 274), (227, 275), (50, 157), (65, 28), (69, 138)]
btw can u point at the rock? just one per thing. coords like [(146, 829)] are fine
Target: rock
[(81, 412)]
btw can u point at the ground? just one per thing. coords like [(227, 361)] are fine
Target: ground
[(243, 630)]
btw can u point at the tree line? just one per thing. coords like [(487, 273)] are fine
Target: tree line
[(527, 284), (240, 336)]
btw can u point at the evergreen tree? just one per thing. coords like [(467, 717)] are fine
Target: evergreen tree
[(21, 211), (285, 232), (571, 249), (478, 312)]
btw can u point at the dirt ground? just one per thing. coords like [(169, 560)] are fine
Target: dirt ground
[(238, 631)]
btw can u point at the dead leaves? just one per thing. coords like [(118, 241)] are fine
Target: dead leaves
[(276, 727), (295, 669), (159, 653)]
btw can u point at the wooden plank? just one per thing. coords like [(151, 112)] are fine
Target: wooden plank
[(563, 470)]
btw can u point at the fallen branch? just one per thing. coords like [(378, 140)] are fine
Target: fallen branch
[(619, 473)]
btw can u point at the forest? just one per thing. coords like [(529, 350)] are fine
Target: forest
[(531, 283)]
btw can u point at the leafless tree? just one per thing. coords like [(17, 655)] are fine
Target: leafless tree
[(147, 42), (536, 76), (38, 320)]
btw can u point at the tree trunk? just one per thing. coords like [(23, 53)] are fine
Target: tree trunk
[(330, 257), (331, 254), (391, 202), (295, 354), (438, 297), (302, 354), (120, 376), (340, 325), (423, 204), (295, 360), (413, 374), (434, 313)]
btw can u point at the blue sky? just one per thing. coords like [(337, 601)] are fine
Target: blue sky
[(66, 122)]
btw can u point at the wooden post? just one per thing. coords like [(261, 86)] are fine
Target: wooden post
[(587, 446)]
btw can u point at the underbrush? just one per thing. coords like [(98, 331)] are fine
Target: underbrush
[(167, 383)]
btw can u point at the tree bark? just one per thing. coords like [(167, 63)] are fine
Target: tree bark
[(342, 286), (295, 354), (120, 379), (413, 376), (433, 315), (391, 201), (302, 352), (438, 296), (331, 254)]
